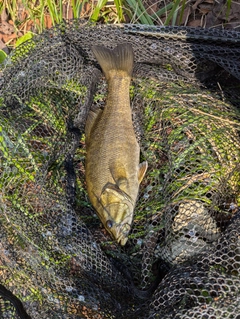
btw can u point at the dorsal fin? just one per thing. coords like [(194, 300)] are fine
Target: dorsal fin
[(91, 118), (142, 170)]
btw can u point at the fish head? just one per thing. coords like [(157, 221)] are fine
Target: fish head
[(117, 213), (118, 221)]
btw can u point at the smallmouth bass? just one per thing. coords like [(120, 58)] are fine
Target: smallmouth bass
[(113, 172)]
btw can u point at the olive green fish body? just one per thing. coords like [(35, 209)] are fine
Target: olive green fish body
[(113, 172)]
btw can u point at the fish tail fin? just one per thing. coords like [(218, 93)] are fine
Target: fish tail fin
[(119, 60)]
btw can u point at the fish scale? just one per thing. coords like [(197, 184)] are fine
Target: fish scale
[(113, 172)]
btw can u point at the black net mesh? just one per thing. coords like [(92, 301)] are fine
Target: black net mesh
[(183, 254)]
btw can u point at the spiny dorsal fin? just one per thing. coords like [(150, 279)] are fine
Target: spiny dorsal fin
[(142, 170), (91, 119), (118, 59)]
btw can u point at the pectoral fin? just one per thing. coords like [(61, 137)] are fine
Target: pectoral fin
[(122, 183), (118, 173), (142, 170)]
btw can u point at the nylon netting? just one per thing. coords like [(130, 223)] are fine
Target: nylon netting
[(183, 254)]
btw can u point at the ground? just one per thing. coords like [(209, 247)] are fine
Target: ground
[(200, 13)]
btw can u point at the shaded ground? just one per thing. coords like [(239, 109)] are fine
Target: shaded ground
[(203, 13), (200, 13)]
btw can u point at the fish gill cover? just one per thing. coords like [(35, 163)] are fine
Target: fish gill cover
[(182, 257)]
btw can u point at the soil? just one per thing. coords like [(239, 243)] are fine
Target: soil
[(197, 13)]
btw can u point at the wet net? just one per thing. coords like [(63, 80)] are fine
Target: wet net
[(182, 257)]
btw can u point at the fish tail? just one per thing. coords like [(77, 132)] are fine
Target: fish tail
[(120, 59)]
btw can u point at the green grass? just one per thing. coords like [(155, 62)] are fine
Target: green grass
[(44, 13)]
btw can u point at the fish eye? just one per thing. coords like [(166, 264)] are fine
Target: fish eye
[(109, 224)]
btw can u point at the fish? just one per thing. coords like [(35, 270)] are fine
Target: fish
[(112, 165)]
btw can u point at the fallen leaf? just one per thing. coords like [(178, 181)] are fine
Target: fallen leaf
[(194, 7), (211, 20), (205, 8), (195, 23), (67, 11), (4, 16), (29, 26), (6, 28), (7, 38), (48, 21)]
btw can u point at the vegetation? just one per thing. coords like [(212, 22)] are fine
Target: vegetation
[(44, 12), (188, 155), (33, 15), (26, 17)]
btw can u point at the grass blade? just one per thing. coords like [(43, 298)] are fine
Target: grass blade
[(60, 16), (77, 6), (182, 12), (99, 6), (74, 9), (55, 14), (162, 11), (229, 2), (140, 11), (51, 11), (42, 14), (118, 4), (173, 12)]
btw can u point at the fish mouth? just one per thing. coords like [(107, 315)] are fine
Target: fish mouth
[(122, 234), (118, 220), (122, 241)]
